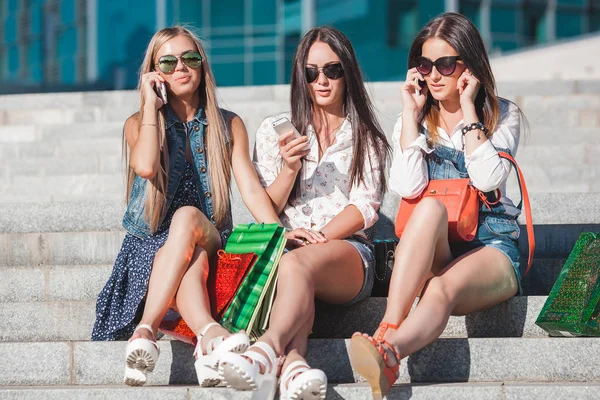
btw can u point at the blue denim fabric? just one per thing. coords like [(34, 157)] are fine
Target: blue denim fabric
[(366, 251), (133, 220), (496, 229)]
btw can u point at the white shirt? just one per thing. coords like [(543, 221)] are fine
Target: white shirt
[(325, 188), (409, 174)]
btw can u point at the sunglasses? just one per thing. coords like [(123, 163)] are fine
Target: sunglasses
[(167, 63), (444, 65), (331, 71)]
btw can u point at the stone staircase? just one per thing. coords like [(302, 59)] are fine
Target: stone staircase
[(61, 202)]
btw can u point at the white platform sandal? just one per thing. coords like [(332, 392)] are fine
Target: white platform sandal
[(141, 356), (242, 371), (301, 382), (207, 365)]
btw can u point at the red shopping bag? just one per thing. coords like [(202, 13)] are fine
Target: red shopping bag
[(223, 283)]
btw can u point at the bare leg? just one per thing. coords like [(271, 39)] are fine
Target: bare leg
[(192, 298), (189, 228), (296, 350), (460, 289), (332, 270), (423, 250)]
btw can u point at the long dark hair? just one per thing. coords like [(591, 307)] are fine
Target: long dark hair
[(357, 105), (460, 33)]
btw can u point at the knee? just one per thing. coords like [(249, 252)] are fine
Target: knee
[(292, 267), (441, 289), (431, 209), (183, 229)]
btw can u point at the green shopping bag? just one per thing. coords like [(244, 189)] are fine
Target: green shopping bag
[(250, 308), (573, 306)]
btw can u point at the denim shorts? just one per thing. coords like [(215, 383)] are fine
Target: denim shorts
[(366, 251), (501, 232)]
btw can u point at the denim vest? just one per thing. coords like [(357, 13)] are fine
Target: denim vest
[(176, 132), (447, 163)]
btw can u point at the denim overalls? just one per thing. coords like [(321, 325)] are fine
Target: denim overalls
[(177, 131), (496, 228)]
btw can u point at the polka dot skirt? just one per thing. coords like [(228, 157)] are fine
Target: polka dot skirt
[(121, 300)]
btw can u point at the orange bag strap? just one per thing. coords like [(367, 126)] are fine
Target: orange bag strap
[(523, 203)]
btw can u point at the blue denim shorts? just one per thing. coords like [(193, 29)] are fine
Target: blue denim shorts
[(500, 231), (366, 251)]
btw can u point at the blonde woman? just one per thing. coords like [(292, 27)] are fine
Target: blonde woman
[(182, 148)]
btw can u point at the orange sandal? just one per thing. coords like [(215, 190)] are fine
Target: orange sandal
[(368, 359)]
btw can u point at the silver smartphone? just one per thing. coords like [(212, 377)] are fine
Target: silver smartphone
[(162, 92), (283, 125)]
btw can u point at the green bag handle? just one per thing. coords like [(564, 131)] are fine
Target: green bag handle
[(250, 238)]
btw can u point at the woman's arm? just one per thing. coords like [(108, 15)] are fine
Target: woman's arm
[(277, 162), (486, 169), (253, 194), (291, 153), (142, 136), (409, 173)]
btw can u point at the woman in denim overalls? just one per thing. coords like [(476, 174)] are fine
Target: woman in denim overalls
[(452, 126), (181, 151)]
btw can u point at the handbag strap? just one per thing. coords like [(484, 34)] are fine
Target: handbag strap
[(523, 203)]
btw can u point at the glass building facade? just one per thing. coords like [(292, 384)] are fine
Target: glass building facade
[(99, 44)]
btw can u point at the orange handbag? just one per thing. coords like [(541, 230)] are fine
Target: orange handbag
[(462, 201)]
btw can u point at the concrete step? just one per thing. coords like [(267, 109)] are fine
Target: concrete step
[(91, 233), (95, 176), (65, 166), (81, 187), (531, 360), (354, 391), (379, 90), (542, 164), (62, 320), (40, 216), (541, 136), (101, 247)]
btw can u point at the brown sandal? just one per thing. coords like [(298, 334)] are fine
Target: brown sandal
[(368, 359)]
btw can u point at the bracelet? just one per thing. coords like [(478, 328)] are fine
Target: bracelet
[(150, 125), (472, 127)]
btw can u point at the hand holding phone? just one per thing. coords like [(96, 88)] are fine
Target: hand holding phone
[(293, 155), (283, 125)]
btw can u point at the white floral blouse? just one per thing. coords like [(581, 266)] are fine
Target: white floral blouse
[(325, 188)]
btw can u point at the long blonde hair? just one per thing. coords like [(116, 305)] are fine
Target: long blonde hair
[(216, 143)]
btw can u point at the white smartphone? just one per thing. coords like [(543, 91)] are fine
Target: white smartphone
[(162, 92), (283, 125)]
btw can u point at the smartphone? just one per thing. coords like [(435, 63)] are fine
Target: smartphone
[(283, 125), (421, 85), (161, 92)]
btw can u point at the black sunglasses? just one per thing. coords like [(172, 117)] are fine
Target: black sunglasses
[(167, 63), (331, 71), (444, 65)]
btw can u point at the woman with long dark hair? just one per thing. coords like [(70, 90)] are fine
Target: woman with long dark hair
[(327, 184), (452, 126), (182, 148)]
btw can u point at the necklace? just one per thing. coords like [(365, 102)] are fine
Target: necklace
[(329, 135)]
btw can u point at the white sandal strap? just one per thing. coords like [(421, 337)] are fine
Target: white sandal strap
[(198, 349), (269, 362), (149, 328), (144, 326), (292, 370), (206, 328)]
